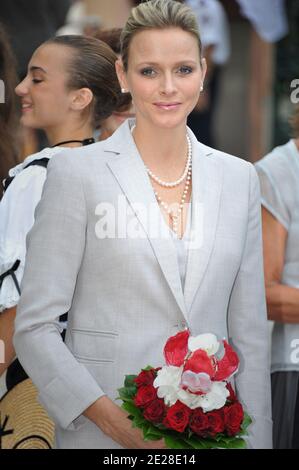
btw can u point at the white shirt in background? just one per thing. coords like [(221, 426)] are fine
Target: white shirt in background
[(213, 28)]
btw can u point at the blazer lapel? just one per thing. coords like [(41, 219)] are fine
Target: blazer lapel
[(130, 173), (206, 191)]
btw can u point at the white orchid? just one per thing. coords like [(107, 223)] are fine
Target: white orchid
[(189, 399), (213, 400), (216, 398), (196, 382), (168, 383), (208, 342)]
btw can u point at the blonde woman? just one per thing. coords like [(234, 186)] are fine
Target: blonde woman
[(139, 237)]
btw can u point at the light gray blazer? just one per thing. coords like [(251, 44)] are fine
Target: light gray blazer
[(124, 295)]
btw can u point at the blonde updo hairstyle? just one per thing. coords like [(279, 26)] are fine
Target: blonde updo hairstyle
[(158, 14)]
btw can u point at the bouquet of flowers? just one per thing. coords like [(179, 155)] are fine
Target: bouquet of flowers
[(189, 402)]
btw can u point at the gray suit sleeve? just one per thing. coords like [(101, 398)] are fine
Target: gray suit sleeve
[(248, 329), (55, 247)]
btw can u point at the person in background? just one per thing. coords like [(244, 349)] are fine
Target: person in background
[(215, 34), (78, 22), (126, 110), (120, 244), (113, 14), (9, 138), (65, 93), (29, 23), (279, 178)]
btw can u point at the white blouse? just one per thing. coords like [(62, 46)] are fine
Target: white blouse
[(181, 245), (17, 209)]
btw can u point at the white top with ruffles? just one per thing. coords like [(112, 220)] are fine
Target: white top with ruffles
[(17, 209)]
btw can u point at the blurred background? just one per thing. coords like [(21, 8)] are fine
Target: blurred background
[(252, 47)]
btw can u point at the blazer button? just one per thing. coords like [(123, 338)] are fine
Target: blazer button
[(178, 327), (181, 325)]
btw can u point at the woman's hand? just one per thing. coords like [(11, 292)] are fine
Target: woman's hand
[(114, 422)]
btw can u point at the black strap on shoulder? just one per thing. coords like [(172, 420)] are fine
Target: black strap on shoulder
[(11, 272), (7, 182), (39, 162)]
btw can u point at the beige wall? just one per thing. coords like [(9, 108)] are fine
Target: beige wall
[(113, 13)]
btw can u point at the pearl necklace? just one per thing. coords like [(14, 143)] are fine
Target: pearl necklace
[(174, 215), (173, 184), (187, 174)]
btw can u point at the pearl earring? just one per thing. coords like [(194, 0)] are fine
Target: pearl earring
[(201, 88), (123, 90)]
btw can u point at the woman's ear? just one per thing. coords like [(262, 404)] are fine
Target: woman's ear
[(81, 99), (203, 69), (121, 75)]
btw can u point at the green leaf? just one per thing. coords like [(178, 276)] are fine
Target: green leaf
[(131, 391), (152, 437), (126, 393), (132, 409), (129, 381), (139, 421), (246, 421), (147, 368), (151, 430), (161, 426), (233, 443), (154, 434), (223, 443), (198, 443), (176, 443)]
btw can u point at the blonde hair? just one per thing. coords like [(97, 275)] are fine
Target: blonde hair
[(158, 14)]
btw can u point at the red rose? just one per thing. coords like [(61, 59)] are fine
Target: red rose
[(233, 418), (146, 377), (232, 395), (155, 411), (198, 422), (177, 417), (145, 395), (215, 422), (200, 362), (176, 349)]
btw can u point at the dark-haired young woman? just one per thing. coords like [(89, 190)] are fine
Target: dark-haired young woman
[(65, 93)]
